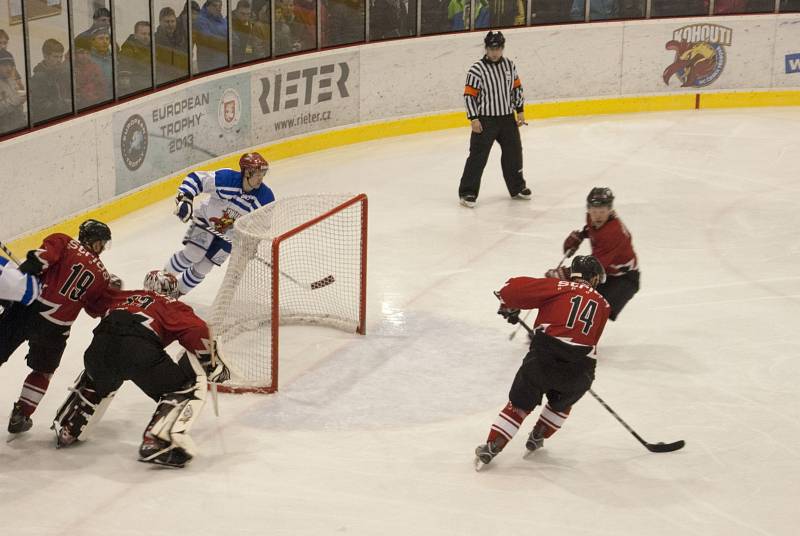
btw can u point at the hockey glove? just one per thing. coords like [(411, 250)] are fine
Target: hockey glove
[(183, 207), (573, 242), (114, 282), (562, 273), (511, 315), (32, 265)]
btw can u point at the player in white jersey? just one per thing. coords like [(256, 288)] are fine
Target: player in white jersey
[(231, 195), (16, 286)]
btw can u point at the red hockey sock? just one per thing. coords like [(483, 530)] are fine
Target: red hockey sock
[(506, 425), (552, 420), (33, 390)]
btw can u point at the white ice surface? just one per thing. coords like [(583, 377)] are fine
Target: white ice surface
[(374, 435)]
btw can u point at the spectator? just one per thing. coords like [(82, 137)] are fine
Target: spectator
[(89, 86), (507, 13), (261, 31), (210, 34), (243, 33), (292, 33), (50, 84), (100, 19), (135, 73), (12, 117), (305, 13), (100, 54), (458, 15), (343, 22), (172, 59), (4, 46)]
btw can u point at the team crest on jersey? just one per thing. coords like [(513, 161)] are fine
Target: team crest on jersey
[(700, 54), (224, 222), (133, 142), (230, 110)]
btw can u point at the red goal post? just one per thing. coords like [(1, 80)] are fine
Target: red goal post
[(298, 260)]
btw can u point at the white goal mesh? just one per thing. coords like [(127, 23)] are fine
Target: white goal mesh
[(298, 260)]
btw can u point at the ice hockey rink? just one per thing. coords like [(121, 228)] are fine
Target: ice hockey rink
[(375, 435)]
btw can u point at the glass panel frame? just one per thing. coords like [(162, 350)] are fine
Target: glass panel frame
[(171, 41), (392, 19), (13, 71), (210, 32), (342, 22), (134, 68), (92, 55), (295, 26), (250, 31)]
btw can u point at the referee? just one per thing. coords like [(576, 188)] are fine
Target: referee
[(492, 94)]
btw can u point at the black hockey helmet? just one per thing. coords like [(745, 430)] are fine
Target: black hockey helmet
[(91, 231), (494, 40), (586, 267), (600, 196)]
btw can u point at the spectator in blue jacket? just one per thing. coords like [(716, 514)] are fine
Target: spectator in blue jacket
[(210, 32)]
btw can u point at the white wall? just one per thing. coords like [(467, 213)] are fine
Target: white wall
[(75, 165)]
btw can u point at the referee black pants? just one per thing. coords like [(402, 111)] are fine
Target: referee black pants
[(504, 130)]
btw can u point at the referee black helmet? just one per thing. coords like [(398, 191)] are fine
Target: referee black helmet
[(494, 40)]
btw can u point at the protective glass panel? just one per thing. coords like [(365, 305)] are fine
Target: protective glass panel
[(295, 26), (210, 36), (250, 31), (92, 59), (499, 13), (50, 75), (172, 45), (439, 16), (556, 11), (678, 8), (728, 7), (13, 94), (343, 22), (134, 55), (789, 6), (390, 19)]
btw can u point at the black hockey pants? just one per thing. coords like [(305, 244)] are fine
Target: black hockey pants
[(504, 130), (123, 349)]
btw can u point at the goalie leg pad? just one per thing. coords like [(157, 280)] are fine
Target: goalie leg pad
[(166, 439), (80, 412)]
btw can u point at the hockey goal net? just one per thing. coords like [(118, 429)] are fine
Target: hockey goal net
[(298, 260)]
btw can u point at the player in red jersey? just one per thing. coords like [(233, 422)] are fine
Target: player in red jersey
[(72, 278), (129, 344), (611, 245), (560, 364)]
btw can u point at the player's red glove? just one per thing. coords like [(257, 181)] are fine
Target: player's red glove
[(562, 273), (573, 242)]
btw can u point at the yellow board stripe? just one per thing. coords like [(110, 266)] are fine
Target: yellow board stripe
[(149, 194)]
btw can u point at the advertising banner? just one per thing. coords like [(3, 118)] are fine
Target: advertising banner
[(786, 64), (166, 134), (686, 55), (304, 95)]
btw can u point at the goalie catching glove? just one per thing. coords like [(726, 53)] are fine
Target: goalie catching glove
[(184, 207)]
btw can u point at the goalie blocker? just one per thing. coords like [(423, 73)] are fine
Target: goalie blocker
[(129, 344)]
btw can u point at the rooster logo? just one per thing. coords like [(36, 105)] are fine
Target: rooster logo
[(699, 54), (224, 222)]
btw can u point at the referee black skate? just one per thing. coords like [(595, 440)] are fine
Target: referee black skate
[(492, 94)]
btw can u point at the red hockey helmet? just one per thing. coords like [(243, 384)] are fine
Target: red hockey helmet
[(254, 167)]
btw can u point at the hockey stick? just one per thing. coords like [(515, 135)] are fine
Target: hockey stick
[(9, 254), (214, 400), (652, 447), (524, 318), (314, 285)]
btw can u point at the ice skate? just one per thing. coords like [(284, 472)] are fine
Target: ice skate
[(484, 454)]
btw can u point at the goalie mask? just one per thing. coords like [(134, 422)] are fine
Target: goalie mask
[(587, 268), (161, 283)]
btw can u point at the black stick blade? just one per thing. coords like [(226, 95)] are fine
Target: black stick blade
[(324, 282), (665, 447)]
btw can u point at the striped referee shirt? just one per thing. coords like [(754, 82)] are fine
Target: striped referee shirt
[(493, 89)]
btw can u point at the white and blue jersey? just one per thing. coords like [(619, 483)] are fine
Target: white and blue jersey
[(16, 286), (227, 199)]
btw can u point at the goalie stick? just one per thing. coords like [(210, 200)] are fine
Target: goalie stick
[(524, 318), (314, 285), (652, 447)]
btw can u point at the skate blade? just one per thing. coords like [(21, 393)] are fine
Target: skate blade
[(478, 464), (12, 437)]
